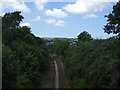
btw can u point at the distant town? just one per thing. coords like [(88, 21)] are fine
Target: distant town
[(50, 41)]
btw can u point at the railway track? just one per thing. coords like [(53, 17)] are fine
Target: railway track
[(60, 78), (56, 75)]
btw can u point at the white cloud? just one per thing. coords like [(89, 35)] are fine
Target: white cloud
[(55, 22), (14, 5), (56, 13), (38, 18), (60, 23), (40, 4), (50, 21), (85, 6), (25, 24), (2, 14), (90, 16)]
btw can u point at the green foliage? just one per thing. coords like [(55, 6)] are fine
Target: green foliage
[(113, 19), (8, 67), (23, 81), (25, 57), (11, 20), (60, 47), (84, 36), (79, 83), (94, 64)]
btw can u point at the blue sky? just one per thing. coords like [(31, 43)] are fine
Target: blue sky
[(62, 19)]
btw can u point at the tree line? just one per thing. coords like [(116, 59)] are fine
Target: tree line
[(25, 57)]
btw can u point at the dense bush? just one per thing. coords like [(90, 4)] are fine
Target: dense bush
[(93, 64), (24, 56), (60, 47)]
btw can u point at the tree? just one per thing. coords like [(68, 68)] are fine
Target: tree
[(11, 20), (25, 57), (60, 47), (8, 67), (84, 36), (113, 19)]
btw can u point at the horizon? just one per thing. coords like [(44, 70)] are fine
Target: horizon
[(62, 19)]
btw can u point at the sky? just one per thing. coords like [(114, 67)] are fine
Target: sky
[(62, 19)]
